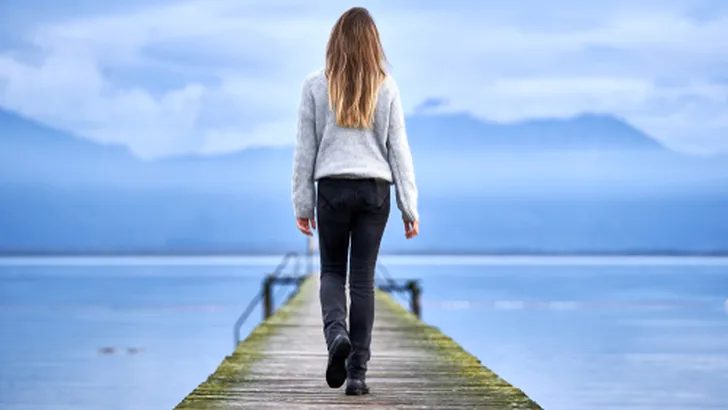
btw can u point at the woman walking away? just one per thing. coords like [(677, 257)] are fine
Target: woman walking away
[(352, 141)]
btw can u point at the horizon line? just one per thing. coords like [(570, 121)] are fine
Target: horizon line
[(385, 260)]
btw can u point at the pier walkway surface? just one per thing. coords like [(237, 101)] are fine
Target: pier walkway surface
[(281, 365)]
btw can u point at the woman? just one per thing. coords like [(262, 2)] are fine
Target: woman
[(352, 141)]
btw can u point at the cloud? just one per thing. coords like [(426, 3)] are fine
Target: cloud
[(218, 75)]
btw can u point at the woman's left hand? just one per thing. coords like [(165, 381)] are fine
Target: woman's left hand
[(305, 225)]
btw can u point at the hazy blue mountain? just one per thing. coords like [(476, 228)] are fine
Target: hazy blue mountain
[(457, 132), (31, 137), (33, 152), (451, 152), (588, 183)]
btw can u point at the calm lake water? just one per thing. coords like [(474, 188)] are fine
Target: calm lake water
[(573, 333)]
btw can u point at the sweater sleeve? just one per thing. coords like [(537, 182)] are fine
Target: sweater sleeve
[(400, 161), (304, 157)]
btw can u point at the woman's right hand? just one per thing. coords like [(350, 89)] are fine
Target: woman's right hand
[(411, 229)]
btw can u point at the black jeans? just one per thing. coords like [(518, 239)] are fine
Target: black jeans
[(350, 211)]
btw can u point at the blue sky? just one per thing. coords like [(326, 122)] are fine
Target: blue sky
[(166, 77)]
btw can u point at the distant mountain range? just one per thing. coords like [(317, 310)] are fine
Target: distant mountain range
[(582, 132), (591, 183)]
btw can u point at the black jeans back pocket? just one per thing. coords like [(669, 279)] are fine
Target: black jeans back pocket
[(376, 195)]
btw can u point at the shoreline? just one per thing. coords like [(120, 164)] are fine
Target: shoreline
[(270, 261), (418, 253)]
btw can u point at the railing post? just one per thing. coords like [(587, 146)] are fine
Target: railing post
[(415, 292), (267, 296)]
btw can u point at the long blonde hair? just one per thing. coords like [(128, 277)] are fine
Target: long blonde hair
[(354, 68)]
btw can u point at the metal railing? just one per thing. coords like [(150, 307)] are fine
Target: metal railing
[(266, 297), (412, 286), (265, 294)]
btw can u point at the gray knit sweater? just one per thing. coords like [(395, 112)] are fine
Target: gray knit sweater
[(325, 149)]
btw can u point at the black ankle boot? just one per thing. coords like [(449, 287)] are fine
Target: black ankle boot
[(356, 387), (336, 368)]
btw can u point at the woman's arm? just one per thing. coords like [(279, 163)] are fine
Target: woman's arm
[(304, 157), (400, 161)]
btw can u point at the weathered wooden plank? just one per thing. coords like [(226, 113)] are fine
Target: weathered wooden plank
[(414, 366)]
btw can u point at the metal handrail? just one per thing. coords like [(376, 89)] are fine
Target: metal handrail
[(257, 298), (391, 286), (385, 273), (387, 277)]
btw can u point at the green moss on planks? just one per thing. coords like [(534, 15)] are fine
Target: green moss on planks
[(234, 369), (414, 366), (478, 378)]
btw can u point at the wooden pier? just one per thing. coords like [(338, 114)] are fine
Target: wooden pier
[(281, 365)]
